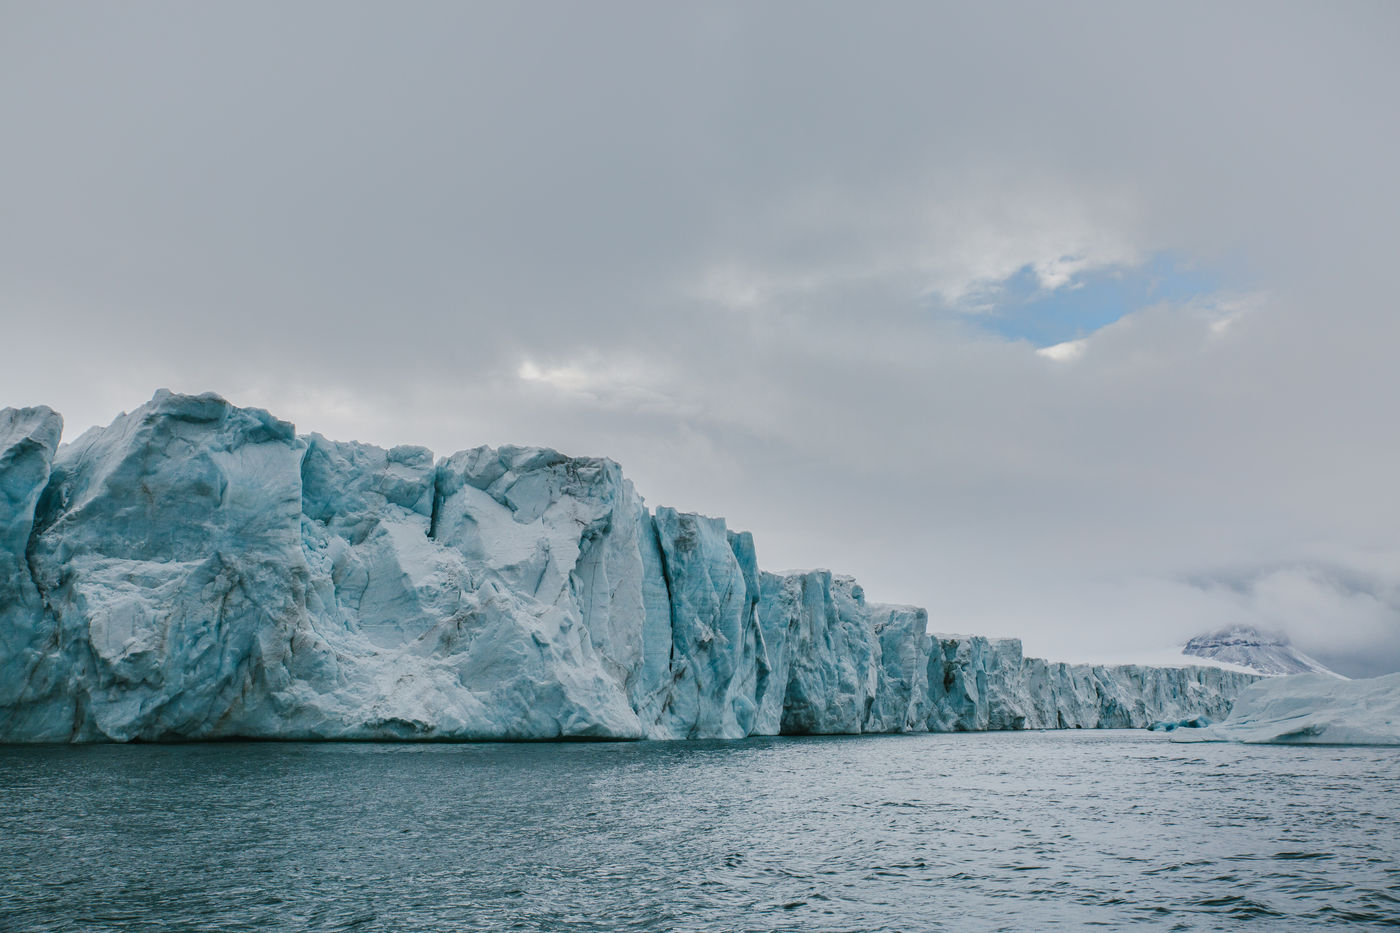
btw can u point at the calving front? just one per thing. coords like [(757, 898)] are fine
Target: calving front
[(197, 570)]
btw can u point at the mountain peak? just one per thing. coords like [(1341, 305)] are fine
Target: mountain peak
[(1256, 649)]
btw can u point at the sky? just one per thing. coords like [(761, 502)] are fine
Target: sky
[(1073, 322)]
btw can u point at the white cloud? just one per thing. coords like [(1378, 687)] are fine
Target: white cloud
[(566, 378), (1052, 226), (1065, 352), (955, 238), (608, 384)]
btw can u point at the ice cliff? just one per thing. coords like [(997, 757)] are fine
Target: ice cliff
[(197, 570)]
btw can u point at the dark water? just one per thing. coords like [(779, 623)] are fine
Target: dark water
[(948, 832)]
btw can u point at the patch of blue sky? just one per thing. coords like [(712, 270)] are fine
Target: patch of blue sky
[(1020, 308)]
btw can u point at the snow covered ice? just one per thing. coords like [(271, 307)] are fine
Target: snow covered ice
[(1310, 709), (198, 570)]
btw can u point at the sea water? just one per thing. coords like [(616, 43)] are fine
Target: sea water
[(1014, 831)]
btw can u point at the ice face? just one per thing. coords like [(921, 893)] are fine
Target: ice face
[(1310, 709), (902, 701), (170, 561), (213, 575), (30, 672), (823, 651), (196, 570), (711, 684)]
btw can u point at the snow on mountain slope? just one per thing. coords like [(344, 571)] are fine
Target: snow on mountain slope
[(1254, 650)]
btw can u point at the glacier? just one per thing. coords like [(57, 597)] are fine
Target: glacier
[(197, 570), (1309, 709)]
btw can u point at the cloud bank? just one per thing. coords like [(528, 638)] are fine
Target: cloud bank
[(751, 253)]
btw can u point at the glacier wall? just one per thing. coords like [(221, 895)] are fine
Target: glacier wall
[(197, 570)]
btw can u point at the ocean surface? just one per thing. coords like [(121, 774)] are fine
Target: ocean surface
[(1014, 831)]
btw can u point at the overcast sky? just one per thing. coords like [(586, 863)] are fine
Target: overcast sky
[(1068, 321)]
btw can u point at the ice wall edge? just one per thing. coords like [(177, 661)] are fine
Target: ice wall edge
[(203, 572)]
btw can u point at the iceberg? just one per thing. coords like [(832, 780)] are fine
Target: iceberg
[(1310, 709), (196, 570)]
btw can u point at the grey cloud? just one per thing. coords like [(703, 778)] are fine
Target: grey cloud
[(717, 236)]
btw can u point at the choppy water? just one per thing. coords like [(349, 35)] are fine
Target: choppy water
[(946, 832)]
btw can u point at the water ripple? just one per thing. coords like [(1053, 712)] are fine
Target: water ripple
[(959, 832)]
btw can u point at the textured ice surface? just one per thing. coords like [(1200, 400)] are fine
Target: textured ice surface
[(710, 686), (197, 570), (29, 667), (1310, 709), (825, 655), (979, 683)]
